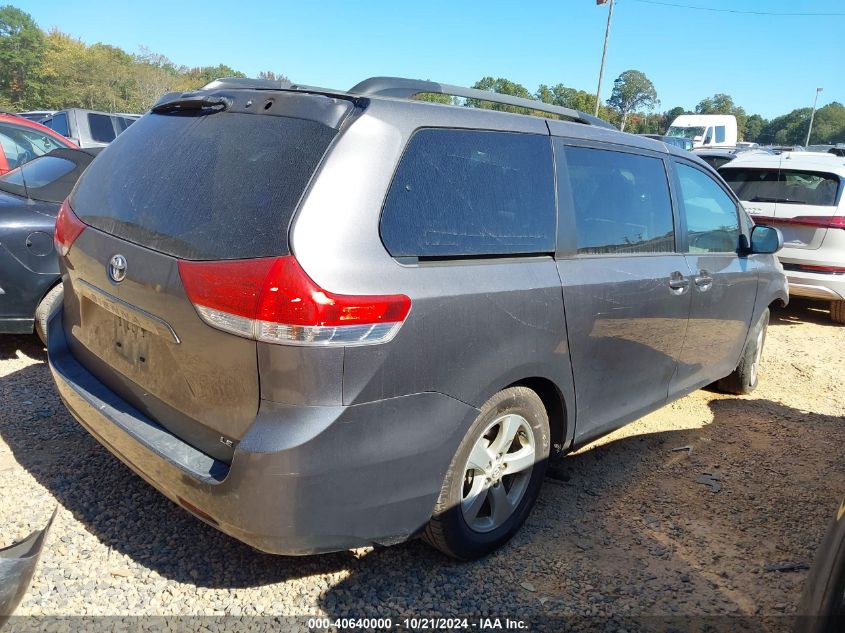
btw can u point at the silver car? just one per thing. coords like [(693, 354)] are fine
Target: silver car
[(801, 195), (321, 319)]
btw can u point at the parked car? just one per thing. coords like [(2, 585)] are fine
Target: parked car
[(319, 319), (716, 157), (30, 196), (88, 128), (801, 194), (36, 115), (21, 140), (677, 141)]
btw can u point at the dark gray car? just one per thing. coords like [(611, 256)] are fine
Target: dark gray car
[(320, 319)]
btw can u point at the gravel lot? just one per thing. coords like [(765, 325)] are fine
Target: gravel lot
[(624, 529)]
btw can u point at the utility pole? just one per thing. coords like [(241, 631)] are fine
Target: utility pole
[(603, 52), (812, 116)]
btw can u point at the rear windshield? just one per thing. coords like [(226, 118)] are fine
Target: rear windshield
[(48, 178), (217, 186), (785, 186)]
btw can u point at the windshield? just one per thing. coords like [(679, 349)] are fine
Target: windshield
[(47, 178), (685, 132), (789, 187)]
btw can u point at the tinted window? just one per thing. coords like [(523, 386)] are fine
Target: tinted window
[(621, 202), (101, 128), (790, 186), (716, 161), (711, 215), (123, 122), (217, 186), (48, 178), (463, 193), (59, 124)]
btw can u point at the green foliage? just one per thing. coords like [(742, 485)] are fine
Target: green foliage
[(791, 129), (55, 71), (632, 90), (501, 86), (21, 52), (754, 127)]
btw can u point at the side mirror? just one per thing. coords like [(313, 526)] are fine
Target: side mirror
[(765, 239)]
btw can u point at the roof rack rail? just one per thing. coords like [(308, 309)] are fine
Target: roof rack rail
[(246, 83), (406, 88)]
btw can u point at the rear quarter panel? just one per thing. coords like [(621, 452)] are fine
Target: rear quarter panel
[(475, 327)]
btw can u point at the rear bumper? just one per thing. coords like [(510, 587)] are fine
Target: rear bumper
[(816, 285), (303, 480)]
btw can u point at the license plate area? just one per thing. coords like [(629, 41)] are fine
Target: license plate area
[(131, 343)]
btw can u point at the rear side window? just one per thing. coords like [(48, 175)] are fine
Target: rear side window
[(459, 193), (216, 186), (787, 186), (621, 201), (720, 133), (711, 215), (101, 128)]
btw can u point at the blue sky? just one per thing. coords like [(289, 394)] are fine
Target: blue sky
[(768, 64)]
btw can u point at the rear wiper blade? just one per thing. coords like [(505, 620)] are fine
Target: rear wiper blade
[(764, 199), (193, 104)]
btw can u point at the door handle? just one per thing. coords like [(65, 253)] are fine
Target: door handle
[(678, 283), (703, 280)]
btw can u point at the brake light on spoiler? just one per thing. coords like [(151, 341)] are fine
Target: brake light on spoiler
[(273, 300), (68, 228), (821, 221)]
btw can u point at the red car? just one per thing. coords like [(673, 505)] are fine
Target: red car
[(21, 140)]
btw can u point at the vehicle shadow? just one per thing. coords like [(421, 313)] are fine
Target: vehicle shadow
[(27, 344), (624, 529), (802, 310)]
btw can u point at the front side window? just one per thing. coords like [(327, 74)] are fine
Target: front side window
[(464, 193), (788, 186), (621, 202), (22, 144), (711, 215)]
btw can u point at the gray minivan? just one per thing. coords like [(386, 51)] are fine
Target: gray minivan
[(321, 319)]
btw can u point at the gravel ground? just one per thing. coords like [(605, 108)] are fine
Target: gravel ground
[(623, 529)]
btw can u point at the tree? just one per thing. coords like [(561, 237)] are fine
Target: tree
[(754, 127), (566, 97), (269, 75), (21, 52), (500, 86), (632, 90), (721, 103)]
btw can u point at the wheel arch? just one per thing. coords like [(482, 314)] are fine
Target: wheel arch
[(555, 404)]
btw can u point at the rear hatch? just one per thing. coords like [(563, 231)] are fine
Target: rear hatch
[(209, 178), (801, 203)]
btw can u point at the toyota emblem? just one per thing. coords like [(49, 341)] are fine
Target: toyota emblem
[(117, 268)]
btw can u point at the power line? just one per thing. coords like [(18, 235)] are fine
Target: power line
[(687, 6)]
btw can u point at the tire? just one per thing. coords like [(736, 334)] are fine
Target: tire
[(464, 524), (45, 308), (744, 378), (837, 311)]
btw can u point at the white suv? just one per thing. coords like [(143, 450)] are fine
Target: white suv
[(801, 194)]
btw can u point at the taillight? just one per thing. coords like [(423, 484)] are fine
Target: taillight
[(274, 301), (836, 270), (68, 228)]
